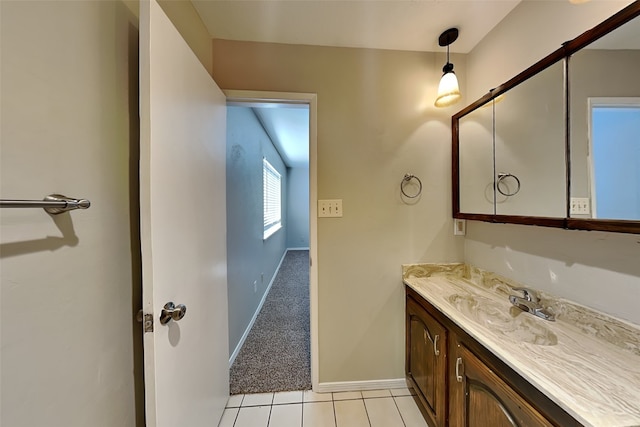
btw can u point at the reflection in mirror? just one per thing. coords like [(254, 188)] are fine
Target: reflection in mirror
[(530, 147), (614, 157), (476, 161), (605, 126)]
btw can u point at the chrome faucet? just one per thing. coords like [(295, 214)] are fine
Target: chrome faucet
[(531, 303)]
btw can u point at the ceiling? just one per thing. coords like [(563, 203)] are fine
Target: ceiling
[(288, 128), (379, 24), (412, 25)]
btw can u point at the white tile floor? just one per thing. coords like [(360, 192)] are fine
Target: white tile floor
[(375, 408)]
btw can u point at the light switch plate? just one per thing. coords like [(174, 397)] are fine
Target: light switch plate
[(330, 208), (459, 227), (580, 206)]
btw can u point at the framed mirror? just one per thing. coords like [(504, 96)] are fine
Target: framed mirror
[(530, 146), (477, 192), (509, 150), (565, 138), (604, 105)]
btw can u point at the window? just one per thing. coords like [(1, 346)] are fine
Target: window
[(271, 191)]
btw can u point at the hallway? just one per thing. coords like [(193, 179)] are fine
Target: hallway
[(276, 354)]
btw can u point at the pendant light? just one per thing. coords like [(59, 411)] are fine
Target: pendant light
[(448, 89)]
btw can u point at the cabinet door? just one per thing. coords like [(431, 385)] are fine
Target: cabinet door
[(427, 344), (479, 398)]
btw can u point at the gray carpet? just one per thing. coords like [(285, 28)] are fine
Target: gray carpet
[(276, 353)]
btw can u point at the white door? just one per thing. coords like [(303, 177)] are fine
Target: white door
[(183, 228)]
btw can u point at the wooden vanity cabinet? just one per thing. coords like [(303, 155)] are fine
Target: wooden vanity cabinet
[(426, 365), (466, 385), (481, 398)]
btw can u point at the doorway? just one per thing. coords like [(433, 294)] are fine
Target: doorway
[(615, 157), (261, 106)]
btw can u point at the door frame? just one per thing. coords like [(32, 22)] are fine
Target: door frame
[(595, 102), (248, 97)]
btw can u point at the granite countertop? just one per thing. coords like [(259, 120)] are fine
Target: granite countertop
[(586, 362)]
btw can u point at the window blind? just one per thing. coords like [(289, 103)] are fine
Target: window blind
[(271, 189)]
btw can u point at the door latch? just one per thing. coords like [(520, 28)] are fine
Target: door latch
[(146, 320)]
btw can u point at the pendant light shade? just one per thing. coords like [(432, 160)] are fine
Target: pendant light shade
[(448, 89)]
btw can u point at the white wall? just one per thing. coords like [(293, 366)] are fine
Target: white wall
[(249, 258), (69, 282), (597, 269), (298, 208)]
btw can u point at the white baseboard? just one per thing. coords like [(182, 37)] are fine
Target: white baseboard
[(298, 249), (255, 315), (361, 385)]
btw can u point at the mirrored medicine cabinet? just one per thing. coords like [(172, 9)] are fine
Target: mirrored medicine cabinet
[(558, 145)]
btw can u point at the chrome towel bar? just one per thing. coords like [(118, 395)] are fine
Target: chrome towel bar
[(53, 204)]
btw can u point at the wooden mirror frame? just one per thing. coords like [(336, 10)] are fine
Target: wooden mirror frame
[(563, 53)]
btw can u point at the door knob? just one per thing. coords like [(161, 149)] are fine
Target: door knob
[(172, 311)]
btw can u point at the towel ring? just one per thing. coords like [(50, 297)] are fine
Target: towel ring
[(501, 177), (408, 177)]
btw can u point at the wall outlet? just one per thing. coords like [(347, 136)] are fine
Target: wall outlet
[(459, 227), (330, 208), (580, 206)]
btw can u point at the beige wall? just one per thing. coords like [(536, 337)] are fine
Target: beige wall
[(185, 18), (188, 23), (597, 269), (70, 284), (531, 31), (376, 122)]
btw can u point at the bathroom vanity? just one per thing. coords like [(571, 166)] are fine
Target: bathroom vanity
[(474, 358), (480, 352), (551, 146)]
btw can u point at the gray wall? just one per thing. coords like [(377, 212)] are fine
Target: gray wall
[(298, 208), (249, 258)]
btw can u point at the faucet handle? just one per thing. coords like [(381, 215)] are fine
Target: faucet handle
[(529, 294)]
